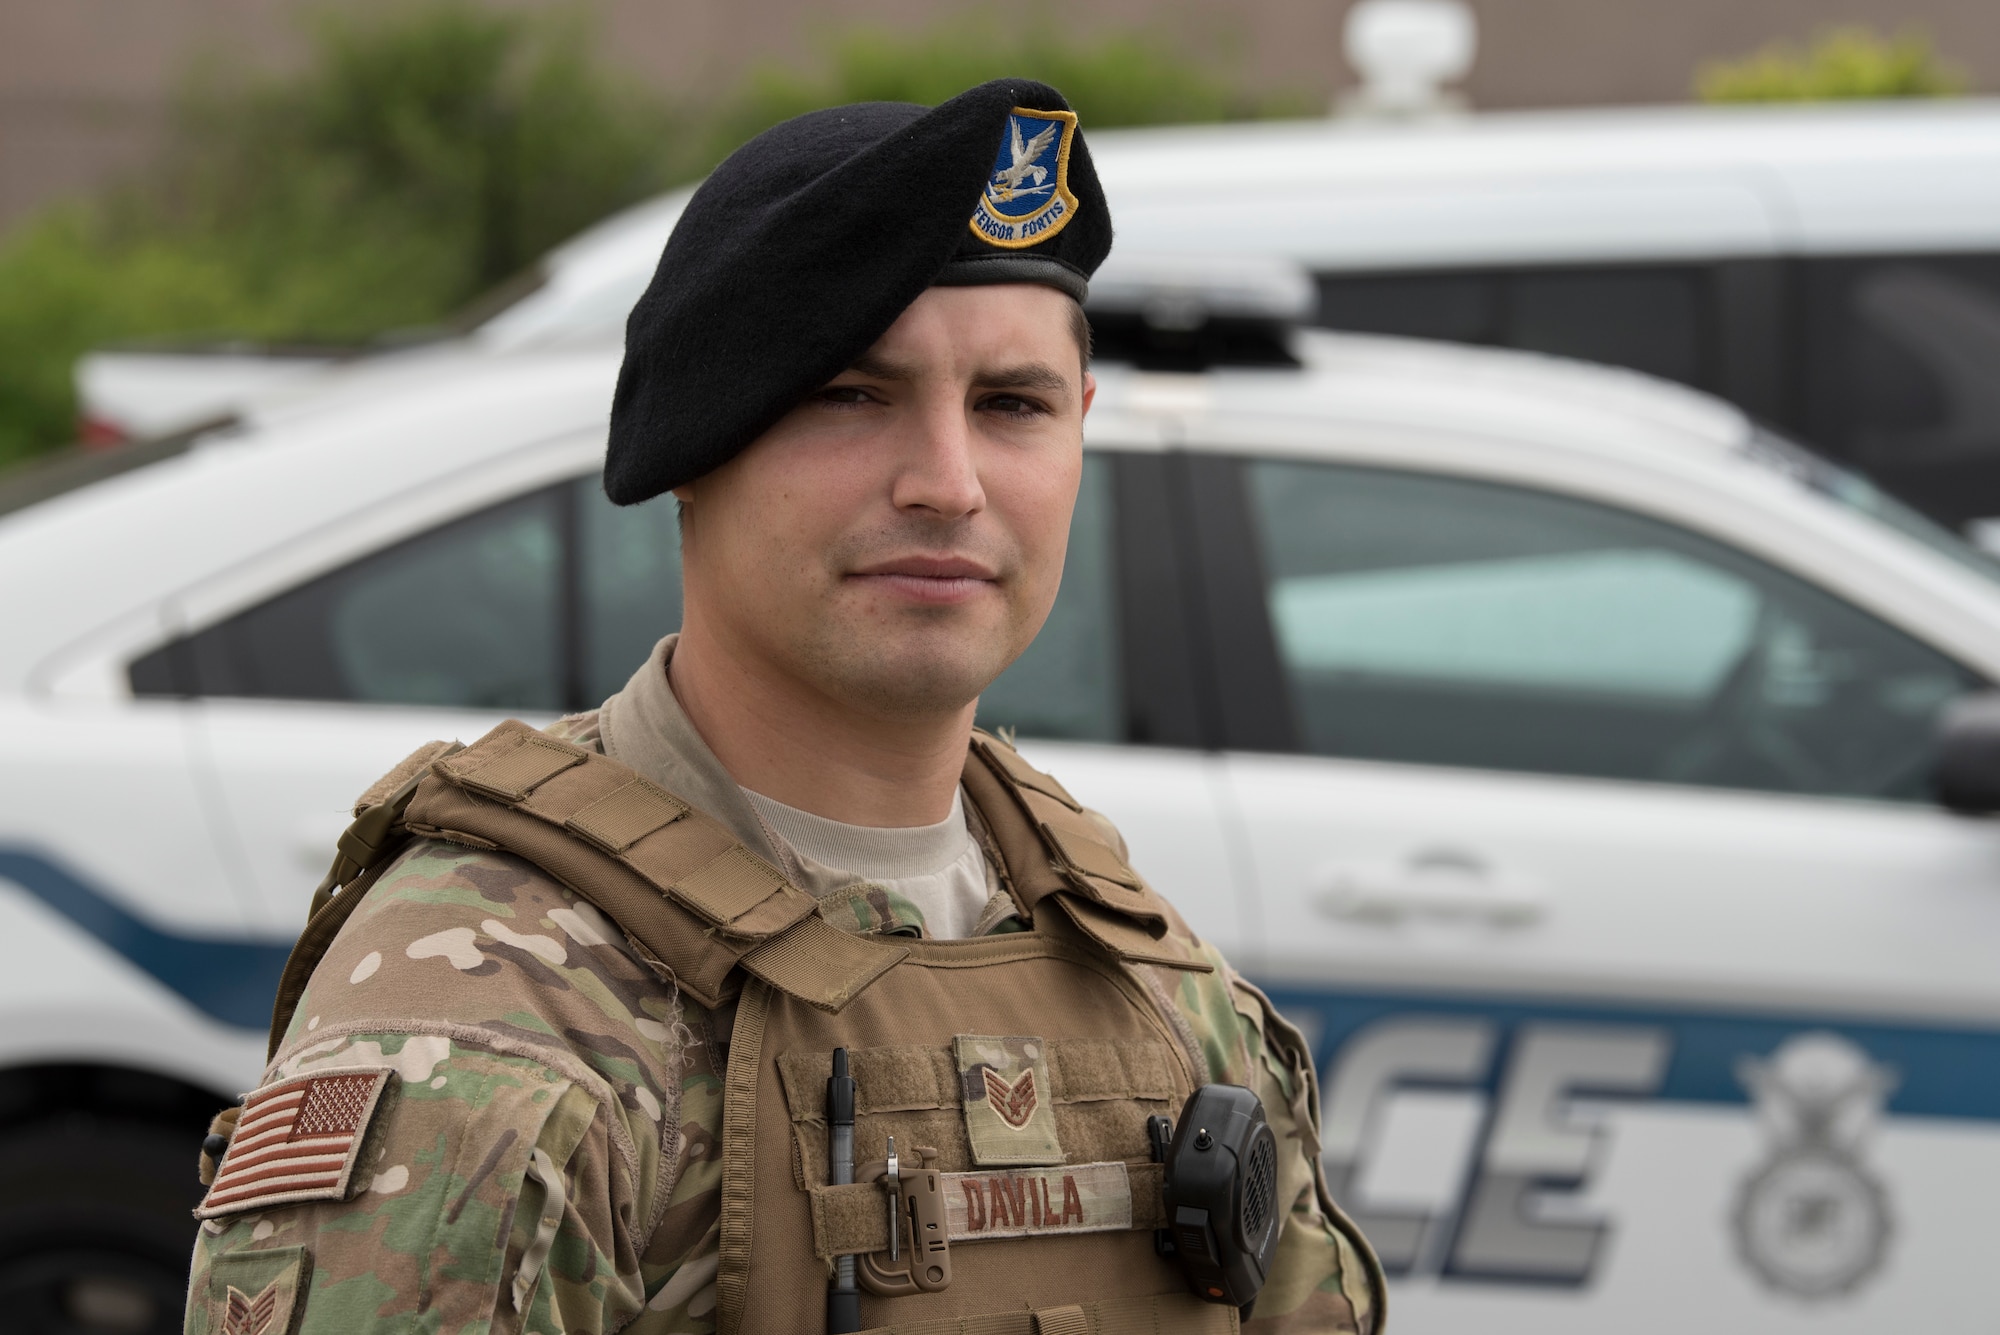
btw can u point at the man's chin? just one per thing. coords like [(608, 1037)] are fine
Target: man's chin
[(917, 682)]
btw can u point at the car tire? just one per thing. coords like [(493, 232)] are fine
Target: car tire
[(95, 1230)]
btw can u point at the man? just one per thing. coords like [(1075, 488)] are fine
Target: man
[(564, 1058)]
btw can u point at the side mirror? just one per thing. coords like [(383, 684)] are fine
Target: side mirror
[(1966, 775)]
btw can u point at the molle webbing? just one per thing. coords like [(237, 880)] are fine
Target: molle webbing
[(1169, 1314), (679, 884), (1081, 1070), (1054, 851), (1100, 1089)]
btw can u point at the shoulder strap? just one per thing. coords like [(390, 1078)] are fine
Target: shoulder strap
[(1056, 853), (684, 890), (682, 887)]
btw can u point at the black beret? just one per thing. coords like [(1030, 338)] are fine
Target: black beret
[(810, 240)]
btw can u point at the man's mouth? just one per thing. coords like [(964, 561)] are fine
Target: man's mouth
[(938, 580)]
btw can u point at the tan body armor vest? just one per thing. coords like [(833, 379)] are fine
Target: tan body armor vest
[(1015, 1072)]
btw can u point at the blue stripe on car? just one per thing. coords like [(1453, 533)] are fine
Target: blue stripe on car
[(1942, 1070), (231, 978)]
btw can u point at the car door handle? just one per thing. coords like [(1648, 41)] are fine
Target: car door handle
[(1440, 884)]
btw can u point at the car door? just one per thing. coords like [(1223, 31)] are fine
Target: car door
[(547, 600), (1594, 853), (531, 605)]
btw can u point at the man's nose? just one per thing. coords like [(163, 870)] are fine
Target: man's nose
[(938, 472)]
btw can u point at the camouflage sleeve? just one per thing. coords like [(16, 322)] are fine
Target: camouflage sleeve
[(482, 1204), (541, 1152), (1325, 1277), (686, 1251)]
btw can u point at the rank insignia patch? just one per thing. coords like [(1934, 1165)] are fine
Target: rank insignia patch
[(244, 1315), (1009, 1115), (296, 1141), (252, 1292), (1027, 198), (1015, 1103)]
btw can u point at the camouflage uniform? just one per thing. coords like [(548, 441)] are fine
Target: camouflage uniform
[(523, 1030)]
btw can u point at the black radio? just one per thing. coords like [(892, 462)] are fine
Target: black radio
[(1221, 1185)]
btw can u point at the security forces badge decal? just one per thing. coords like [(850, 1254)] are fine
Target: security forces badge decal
[(1811, 1220), (1027, 198)]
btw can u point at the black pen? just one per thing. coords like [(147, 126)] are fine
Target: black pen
[(843, 1299)]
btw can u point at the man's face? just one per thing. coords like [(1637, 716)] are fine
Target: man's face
[(897, 540)]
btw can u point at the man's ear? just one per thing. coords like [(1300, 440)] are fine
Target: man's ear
[(684, 509), (1089, 392)]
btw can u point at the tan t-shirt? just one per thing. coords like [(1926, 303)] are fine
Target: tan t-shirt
[(938, 868), (951, 885)]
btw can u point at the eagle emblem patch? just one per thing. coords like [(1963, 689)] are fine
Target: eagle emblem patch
[(1027, 198), (1010, 1113)]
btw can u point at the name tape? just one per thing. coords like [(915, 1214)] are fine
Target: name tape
[(1020, 1202)]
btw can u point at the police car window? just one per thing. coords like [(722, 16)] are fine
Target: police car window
[(1436, 620), (1898, 376), (1648, 318), (628, 585), (468, 615), (1067, 683), (541, 604)]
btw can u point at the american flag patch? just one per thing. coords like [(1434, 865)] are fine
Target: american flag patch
[(296, 1141)]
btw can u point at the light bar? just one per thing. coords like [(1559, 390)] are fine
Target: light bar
[(1172, 291)]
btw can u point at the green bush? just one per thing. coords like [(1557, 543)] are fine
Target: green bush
[(428, 152), (444, 148), (64, 289), (423, 156), (1842, 63), (1117, 78)]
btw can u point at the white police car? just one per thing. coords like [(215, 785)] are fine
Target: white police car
[(1554, 745), (1833, 269)]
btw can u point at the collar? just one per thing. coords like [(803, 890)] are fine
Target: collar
[(644, 727)]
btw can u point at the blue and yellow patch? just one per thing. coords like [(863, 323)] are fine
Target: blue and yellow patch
[(1027, 198)]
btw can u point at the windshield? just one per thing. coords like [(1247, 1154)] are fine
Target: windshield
[(1857, 493)]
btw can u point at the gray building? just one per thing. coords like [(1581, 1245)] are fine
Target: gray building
[(85, 84)]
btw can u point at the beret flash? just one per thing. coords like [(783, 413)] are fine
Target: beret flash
[(810, 240)]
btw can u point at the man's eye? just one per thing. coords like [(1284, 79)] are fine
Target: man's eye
[(845, 394), (1013, 405)]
